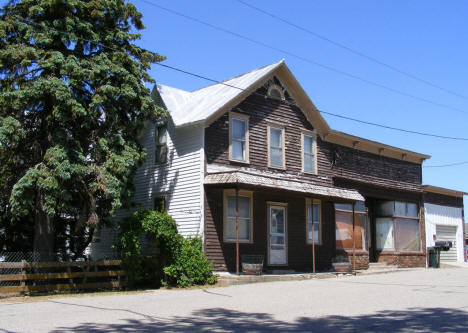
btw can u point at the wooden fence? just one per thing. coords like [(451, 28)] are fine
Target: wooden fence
[(59, 276)]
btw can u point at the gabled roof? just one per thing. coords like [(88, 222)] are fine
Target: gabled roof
[(192, 107), (209, 103)]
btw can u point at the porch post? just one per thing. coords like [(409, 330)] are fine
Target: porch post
[(354, 244), (313, 239), (237, 230)]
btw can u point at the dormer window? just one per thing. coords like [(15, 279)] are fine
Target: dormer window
[(275, 92)]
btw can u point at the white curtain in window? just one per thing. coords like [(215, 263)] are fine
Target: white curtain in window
[(384, 230)]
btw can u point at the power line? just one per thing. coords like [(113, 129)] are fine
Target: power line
[(353, 51), (394, 128), (445, 165), (310, 61), (321, 111), (242, 89)]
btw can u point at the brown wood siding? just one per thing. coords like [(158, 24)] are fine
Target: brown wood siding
[(443, 200), (222, 255), (332, 160)]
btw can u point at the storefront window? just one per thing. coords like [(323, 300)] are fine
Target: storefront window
[(397, 226), (344, 226)]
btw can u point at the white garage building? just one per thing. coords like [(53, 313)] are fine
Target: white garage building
[(443, 211)]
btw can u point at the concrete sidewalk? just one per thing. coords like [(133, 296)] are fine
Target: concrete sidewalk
[(427, 300)]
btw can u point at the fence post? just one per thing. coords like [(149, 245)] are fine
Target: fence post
[(23, 277), (85, 278), (70, 279)]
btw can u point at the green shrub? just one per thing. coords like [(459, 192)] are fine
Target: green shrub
[(190, 266), (173, 261)]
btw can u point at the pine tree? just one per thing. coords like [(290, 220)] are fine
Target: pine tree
[(72, 104)]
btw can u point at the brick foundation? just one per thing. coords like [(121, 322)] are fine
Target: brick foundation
[(403, 259)]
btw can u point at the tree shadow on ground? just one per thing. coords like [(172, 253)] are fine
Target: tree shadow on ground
[(224, 320)]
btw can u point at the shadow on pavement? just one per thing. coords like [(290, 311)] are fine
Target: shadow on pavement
[(219, 319)]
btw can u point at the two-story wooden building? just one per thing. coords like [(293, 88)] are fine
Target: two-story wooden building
[(254, 152)]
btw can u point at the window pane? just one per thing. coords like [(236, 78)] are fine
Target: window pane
[(238, 150), (277, 220), (276, 157), (400, 208), (244, 229), (344, 230), (316, 210), (359, 232), (360, 206), (244, 207), (162, 134), (275, 137), (384, 230), (343, 206), (412, 210), (231, 229), (308, 144), (238, 129), (385, 208), (309, 163), (407, 235), (315, 231)]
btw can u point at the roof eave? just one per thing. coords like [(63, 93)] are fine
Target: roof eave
[(444, 191), (374, 147)]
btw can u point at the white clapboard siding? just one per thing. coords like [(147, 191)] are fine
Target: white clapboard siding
[(447, 233), (180, 181), (438, 215)]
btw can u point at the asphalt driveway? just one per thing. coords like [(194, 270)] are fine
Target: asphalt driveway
[(409, 301)]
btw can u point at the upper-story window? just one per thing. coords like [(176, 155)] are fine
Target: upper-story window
[(309, 152), (276, 147), (238, 137), (161, 143)]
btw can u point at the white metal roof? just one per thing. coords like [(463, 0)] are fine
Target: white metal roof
[(191, 107)]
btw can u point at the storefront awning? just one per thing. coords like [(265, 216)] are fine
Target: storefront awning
[(258, 179)]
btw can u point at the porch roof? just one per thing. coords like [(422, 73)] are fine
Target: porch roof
[(257, 179)]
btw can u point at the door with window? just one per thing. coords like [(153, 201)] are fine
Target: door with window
[(277, 243)]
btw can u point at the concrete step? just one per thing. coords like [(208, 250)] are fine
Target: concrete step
[(381, 265)]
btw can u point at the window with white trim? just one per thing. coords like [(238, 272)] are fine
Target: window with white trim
[(276, 147), (161, 143), (245, 216), (309, 153), (314, 221), (238, 137)]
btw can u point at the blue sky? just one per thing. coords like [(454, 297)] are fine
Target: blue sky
[(428, 39)]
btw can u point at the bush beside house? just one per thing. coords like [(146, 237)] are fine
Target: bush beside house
[(154, 254)]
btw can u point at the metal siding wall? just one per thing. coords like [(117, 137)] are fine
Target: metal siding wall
[(445, 216)]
